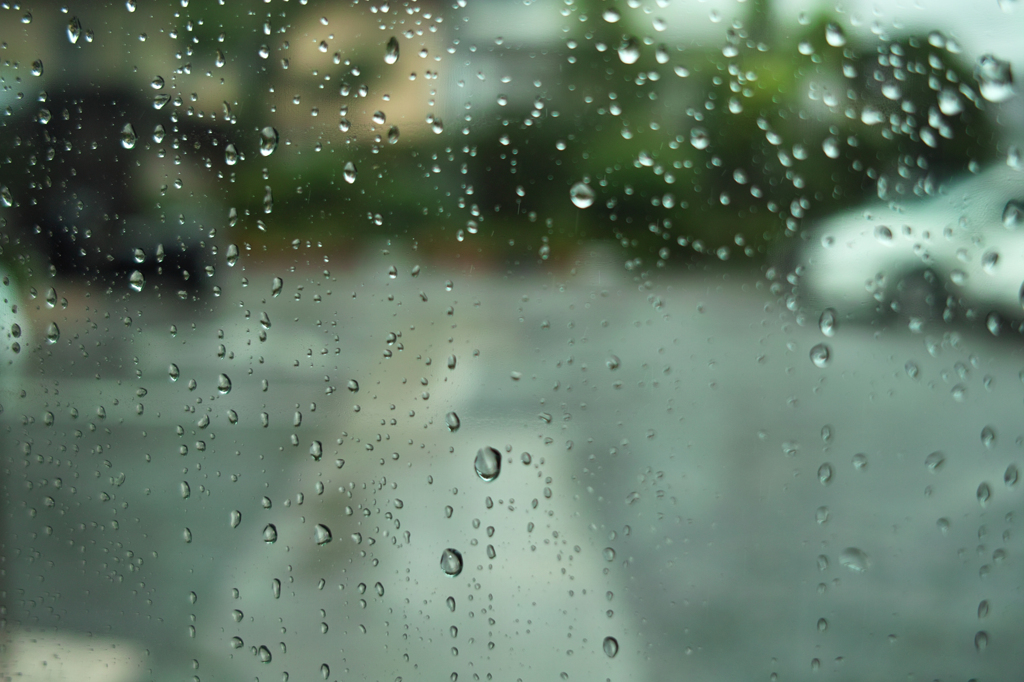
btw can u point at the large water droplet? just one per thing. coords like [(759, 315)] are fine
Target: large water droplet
[(224, 384), (487, 463), (854, 559), (316, 450), (949, 102), (984, 494), (264, 654), (821, 355), (325, 671), (1011, 476), (136, 280), (935, 461), (828, 322), (629, 51), (268, 141), (611, 15), (452, 421), (610, 646), (231, 255), (230, 155), (52, 333), (981, 641), (128, 136), (582, 195), (1013, 214), (834, 35), (235, 518), (391, 51), (37, 67), (186, 491), (74, 30), (831, 147), (322, 534), (699, 138), (451, 562), (5, 196), (270, 534), (995, 78), (988, 437), (349, 172), (825, 473)]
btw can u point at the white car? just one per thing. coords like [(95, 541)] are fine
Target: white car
[(958, 251)]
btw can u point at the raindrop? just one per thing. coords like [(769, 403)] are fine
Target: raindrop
[(612, 362), (268, 141), (187, 535), (699, 138), (230, 155), (582, 195), (451, 562), (128, 136), (629, 51), (391, 51), (275, 286), (825, 473), (487, 463), (264, 654), (981, 641), (822, 625), (316, 450), (610, 646), (834, 35), (883, 234), (984, 494), (854, 559), (74, 30), (173, 372), (821, 515), (353, 385), (136, 280), (828, 322), (235, 518), (995, 79), (1011, 476), (270, 534), (219, 60), (231, 255), (379, 118), (1013, 214), (37, 67), (949, 102), (5, 196), (451, 362), (611, 15), (450, 601), (935, 461), (821, 355), (322, 534), (452, 421), (349, 172), (325, 671), (224, 384), (393, 134), (52, 333), (609, 553), (831, 147), (186, 491), (988, 437), (860, 461)]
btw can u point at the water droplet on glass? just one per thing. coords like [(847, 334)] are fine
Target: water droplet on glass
[(224, 384), (1013, 214), (37, 67), (822, 625), (609, 554), (391, 51), (860, 461), (74, 30), (451, 362), (699, 138), (821, 355), (629, 51), (984, 494), (235, 518), (322, 534), (981, 641), (613, 362), (451, 420), (52, 333), (854, 559), (828, 322), (6, 197), (451, 562), (1011, 476), (230, 155), (834, 35), (487, 463), (825, 473), (325, 671), (582, 195), (353, 385), (264, 654), (136, 280), (349, 172), (610, 646), (231, 255), (821, 514), (393, 134), (995, 78), (316, 450), (949, 102), (831, 147), (186, 491), (276, 285), (270, 534), (935, 461), (983, 608), (988, 437), (128, 136), (268, 141), (611, 15)]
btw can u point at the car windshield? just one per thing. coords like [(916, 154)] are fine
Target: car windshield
[(511, 340)]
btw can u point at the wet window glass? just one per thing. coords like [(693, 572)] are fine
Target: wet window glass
[(511, 340)]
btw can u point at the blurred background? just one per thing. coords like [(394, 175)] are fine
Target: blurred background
[(732, 288)]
